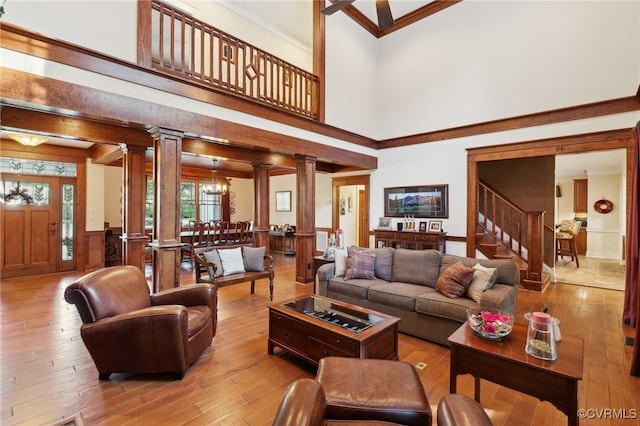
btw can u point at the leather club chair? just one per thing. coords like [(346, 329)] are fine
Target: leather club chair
[(128, 330)]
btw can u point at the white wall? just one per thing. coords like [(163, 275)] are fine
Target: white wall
[(95, 199), (481, 61), (86, 23), (242, 200), (90, 23), (604, 230), (282, 183), (113, 195), (324, 201), (457, 79)]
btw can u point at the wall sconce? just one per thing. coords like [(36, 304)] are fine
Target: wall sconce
[(558, 193)]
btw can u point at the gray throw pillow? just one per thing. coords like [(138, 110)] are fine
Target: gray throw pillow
[(253, 258), (211, 256)]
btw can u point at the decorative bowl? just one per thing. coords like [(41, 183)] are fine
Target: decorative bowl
[(490, 323)]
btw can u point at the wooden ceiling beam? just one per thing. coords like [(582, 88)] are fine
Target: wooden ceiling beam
[(80, 128)]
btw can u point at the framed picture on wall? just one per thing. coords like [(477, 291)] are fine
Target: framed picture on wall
[(417, 201), (283, 201)]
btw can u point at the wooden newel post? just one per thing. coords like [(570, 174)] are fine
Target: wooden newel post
[(535, 237)]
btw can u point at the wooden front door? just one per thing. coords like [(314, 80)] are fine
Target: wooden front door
[(30, 237)]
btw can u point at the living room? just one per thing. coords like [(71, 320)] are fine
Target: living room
[(511, 77)]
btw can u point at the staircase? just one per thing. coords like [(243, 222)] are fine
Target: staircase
[(505, 231)]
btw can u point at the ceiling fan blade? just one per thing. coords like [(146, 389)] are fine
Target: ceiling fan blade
[(385, 19), (330, 10)]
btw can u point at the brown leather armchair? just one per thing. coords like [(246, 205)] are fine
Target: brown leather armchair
[(128, 330)]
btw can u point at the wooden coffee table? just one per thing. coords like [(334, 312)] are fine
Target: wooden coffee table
[(314, 327), (506, 363)]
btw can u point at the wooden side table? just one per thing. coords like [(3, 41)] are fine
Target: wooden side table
[(318, 261), (507, 364)]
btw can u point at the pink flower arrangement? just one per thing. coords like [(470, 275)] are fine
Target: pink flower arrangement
[(490, 324)]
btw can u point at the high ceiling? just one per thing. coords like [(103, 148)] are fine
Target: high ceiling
[(290, 21)]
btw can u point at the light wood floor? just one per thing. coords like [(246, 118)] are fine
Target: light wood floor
[(47, 374), (593, 272)]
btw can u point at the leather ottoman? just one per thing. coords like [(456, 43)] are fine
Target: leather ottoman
[(373, 389), (460, 410)]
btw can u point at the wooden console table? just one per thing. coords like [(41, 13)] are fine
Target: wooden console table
[(507, 364), (413, 240), (283, 242)]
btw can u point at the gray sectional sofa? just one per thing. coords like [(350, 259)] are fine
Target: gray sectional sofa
[(404, 286)]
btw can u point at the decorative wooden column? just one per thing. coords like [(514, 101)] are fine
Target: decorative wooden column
[(167, 150), (133, 237), (305, 217), (261, 206)]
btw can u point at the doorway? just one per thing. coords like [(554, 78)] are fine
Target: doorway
[(29, 217), (581, 179), (351, 209)]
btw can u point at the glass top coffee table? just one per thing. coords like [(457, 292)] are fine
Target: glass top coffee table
[(313, 327)]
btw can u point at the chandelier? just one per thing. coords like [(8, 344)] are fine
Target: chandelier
[(217, 186)]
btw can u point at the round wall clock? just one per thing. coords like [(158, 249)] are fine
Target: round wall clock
[(603, 206)]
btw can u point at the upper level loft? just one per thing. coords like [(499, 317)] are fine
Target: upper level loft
[(171, 41)]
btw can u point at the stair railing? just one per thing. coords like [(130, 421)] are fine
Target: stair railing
[(193, 50), (520, 231)]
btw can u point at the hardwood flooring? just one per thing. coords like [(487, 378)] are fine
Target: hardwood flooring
[(47, 374)]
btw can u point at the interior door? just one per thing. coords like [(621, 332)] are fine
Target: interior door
[(29, 218)]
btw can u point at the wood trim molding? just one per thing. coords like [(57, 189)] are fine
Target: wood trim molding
[(22, 40), (25, 41), (579, 112), (100, 105), (614, 139)]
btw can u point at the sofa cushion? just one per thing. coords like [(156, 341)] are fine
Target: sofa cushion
[(416, 266), (384, 260), (360, 265), (211, 256), (357, 288), (232, 262), (454, 281), (508, 272), (438, 305), (253, 258), (483, 279), (397, 295), (340, 257)]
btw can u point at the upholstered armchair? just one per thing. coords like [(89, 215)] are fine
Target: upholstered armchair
[(128, 330)]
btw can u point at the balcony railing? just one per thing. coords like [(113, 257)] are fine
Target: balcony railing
[(198, 52)]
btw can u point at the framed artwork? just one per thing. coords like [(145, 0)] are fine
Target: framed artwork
[(417, 201), (435, 226), (423, 226), (283, 201), (384, 223)]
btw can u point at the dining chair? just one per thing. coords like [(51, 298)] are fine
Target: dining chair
[(196, 240), (221, 232)]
